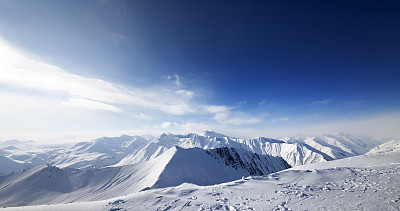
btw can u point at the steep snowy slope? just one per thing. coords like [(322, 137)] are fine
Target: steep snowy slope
[(29, 185), (8, 166), (48, 184), (365, 182), (214, 166), (294, 153)]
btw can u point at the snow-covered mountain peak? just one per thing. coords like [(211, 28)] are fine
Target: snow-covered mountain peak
[(212, 134), (388, 147)]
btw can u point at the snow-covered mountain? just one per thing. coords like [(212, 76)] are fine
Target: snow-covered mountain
[(126, 150), (364, 182), (390, 146), (49, 184), (295, 150), (335, 146)]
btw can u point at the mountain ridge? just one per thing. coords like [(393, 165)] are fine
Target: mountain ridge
[(126, 150), (173, 167)]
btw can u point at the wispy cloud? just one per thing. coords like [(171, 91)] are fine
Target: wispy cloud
[(89, 104), (17, 70), (27, 75), (356, 102), (169, 125), (175, 78), (280, 119), (225, 115), (185, 93), (321, 102), (240, 103)]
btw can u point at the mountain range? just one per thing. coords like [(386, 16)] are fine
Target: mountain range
[(111, 167), (212, 179), (124, 150)]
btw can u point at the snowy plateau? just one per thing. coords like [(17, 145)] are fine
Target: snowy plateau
[(208, 171)]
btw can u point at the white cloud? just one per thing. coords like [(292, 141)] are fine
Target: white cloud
[(244, 121), (36, 91), (225, 115), (174, 78), (321, 102), (280, 119), (356, 102), (17, 70), (185, 93), (142, 116), (169, 125), (89, 104)]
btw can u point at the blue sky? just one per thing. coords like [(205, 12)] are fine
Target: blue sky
[(70, 68)]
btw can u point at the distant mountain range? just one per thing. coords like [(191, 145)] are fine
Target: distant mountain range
[(125, 150)]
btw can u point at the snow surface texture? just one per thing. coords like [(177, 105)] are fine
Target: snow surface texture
[(125, 150), (49, 184), (365, 182)]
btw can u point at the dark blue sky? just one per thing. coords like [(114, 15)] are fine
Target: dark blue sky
[(283, 60)]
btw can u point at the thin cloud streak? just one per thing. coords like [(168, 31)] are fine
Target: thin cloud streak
[(321, 102), (280, 119), (225, 115), (89, 104)]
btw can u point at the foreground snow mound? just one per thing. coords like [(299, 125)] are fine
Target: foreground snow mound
[(366, 182), (48, 184)]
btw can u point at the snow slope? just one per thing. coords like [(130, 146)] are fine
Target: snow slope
[(8, 166), (365, 182), (49, 184), (390, 146)]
